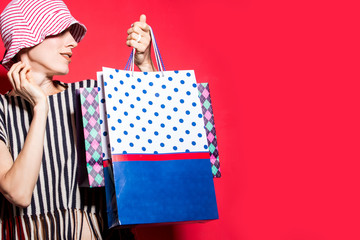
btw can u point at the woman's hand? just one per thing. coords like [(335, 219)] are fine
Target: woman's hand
[(139, 38), (23, 85)]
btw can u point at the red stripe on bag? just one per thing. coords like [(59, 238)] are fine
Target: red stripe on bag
[(160, 157), (105, 163)]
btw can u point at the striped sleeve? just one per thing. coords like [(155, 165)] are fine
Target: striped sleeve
[(3, 135)]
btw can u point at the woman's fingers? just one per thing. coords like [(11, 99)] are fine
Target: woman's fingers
[(15, 75), (23, 79)]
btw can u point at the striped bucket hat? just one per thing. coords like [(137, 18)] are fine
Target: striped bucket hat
[(26, 23)]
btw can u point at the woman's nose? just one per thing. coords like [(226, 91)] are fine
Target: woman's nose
[(70, 41)]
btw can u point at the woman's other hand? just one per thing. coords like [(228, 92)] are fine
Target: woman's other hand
[(139, 38), (23, 85)]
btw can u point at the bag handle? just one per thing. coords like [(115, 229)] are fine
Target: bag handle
[(159, 62)]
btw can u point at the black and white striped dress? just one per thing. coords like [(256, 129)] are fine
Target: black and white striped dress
[(58, 206)]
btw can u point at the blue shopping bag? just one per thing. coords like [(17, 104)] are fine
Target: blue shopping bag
[(157, 164)]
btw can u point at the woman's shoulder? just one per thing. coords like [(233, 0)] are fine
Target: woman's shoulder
[(88, 83)]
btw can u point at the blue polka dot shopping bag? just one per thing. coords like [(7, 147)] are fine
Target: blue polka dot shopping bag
[(156, 158)]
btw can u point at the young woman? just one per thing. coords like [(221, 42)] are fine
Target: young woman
[(40, 197)]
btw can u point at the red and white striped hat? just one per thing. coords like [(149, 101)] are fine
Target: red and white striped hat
[(26, 23)]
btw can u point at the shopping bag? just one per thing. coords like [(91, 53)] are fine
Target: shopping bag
[(207, 110), (89, 139), (160, 162)]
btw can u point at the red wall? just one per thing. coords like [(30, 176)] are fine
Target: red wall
[(284, 78)]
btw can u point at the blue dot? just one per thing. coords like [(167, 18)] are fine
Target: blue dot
[(116, 89), (194, 104), (112, 149), (124, 152), (132, 105), (103, 155), (137, 117), (162, 125), (176, 71), (194, 85), (162, 145), (162, 105), (170, 78), (114, 108), (193, 123), (138, 98), (157, 94), (188, 74), (145, 73), (187, 132), (109, 96), (126, 113), (105, 134), (125, 132), (188, 93), (200, 115), (137, 137), (182, 101), (150, 122), (117, 70), (143, 129), (113, 128), (168, 117), (156, 114), (150, 103), (169, 98), (105, 83), (121, 82), (139, 80), (131, 125), (119, 120), (150, 141), (182, 81), (143, 148), (102, 100), (175, 128), (131, 144), (101, 121), (181, 139), (157, 75), (108, 116), (205, 146), (120, 101), (127, 94), (156, 133), (127, 75), (199, 135), (133, 86), (193, 143), (156, 152), (144, 110), (168, 136), (187, 150), (187, 112), (181, 120), (176, 89), (144, 91), (175, 148), (163, 86), (111, 76), (175, 109), (151, 84), (119, 140)]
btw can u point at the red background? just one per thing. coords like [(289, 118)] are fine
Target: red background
[(284, 82)]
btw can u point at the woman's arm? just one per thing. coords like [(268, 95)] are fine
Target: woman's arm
[(18, 178), (143, 46)]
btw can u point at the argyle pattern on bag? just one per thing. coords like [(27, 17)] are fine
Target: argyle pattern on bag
[(204, 95), (91, 123)]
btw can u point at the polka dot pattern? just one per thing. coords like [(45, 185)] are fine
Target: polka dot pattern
[(151, 113)]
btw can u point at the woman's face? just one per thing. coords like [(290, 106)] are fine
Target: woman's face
[(52, 56)]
